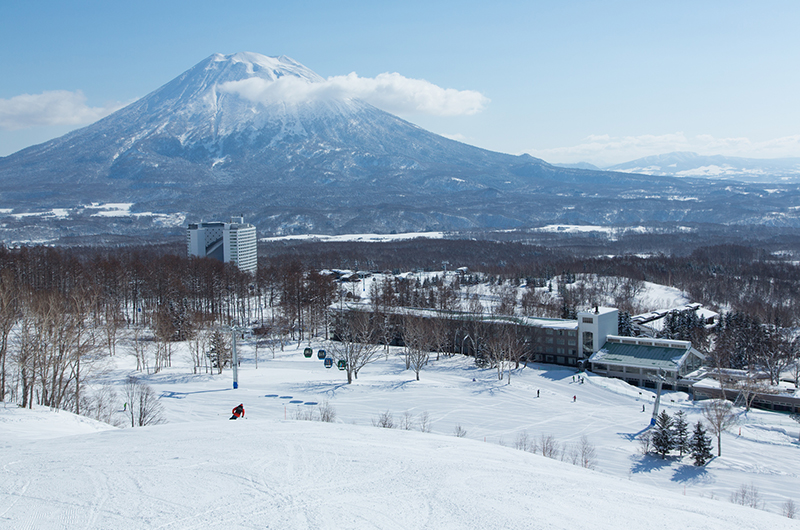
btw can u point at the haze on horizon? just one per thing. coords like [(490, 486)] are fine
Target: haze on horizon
[(566, 82)]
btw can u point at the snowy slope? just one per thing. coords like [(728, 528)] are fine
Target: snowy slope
[(291, 474), (203, 471)]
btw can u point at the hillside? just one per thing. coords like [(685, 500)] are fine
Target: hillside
[(261, 473), (202, 470), (263, 137)]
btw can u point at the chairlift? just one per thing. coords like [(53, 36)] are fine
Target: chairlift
[(342, 364), (321, 354), (307, 353), (328, 362)]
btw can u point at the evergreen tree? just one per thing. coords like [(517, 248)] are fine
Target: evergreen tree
[(663, 440), (624, 324), (680, 432), (700, 445)]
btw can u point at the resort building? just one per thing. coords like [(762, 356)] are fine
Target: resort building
[(233, 242)]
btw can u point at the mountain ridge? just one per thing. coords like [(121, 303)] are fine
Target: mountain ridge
[(691, 164), (268, 138)]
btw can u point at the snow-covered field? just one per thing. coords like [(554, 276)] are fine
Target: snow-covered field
[(357, 237), (201, 470)]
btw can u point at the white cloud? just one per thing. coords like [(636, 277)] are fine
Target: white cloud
[(457, 137), (57, 107), (390, 92), (606, 150)]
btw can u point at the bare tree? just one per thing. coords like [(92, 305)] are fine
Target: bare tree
[(459, 431), (720, 416), (437, 330), (384, 420), (327, 412), (407, 421), (102, 405), (354, 343), (507, 299), (219, 350), (197, 351), (9, 316), (747, 495), (549, 446), (587, 453), (505, 345), (750, 387), (777, 354), (523, 441), (112, 322), (143, 406), (795, 371), (424, 422), (789, 509), (416, 337), (645, 442), (141, 349)]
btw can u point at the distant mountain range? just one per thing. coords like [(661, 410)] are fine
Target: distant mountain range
[(687, 164), (249, 134)]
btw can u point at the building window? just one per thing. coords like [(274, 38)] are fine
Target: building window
[(588, 320)]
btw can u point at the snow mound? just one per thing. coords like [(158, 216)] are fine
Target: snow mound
[(42, 423), (290, 474)]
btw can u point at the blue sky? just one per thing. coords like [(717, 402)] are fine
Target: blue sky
[(603, 82)]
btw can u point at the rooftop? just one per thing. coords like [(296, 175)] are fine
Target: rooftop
[(647, 353)]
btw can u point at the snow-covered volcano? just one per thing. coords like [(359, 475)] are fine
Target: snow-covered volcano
[(295, 153)]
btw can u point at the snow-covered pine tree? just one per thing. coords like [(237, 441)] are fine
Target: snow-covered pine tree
[(624, 324), (700, 445), (680, 432), (663, 440)]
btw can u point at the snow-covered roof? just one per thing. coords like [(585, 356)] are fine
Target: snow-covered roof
[(643, 353), (551, 323)]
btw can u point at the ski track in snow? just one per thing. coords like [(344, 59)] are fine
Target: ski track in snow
[(203, 471)]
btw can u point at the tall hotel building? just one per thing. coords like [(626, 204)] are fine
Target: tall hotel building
[(233, 242)]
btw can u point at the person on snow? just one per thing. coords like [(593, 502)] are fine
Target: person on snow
[(238, 411)]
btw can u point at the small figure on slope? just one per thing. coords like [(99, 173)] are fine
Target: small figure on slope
[(238, 411)]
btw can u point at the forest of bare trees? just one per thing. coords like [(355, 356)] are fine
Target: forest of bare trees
[(63, 310)]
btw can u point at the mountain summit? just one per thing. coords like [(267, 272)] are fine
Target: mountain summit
[(268, 138)]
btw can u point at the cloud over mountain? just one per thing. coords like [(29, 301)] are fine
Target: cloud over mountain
[(391, 92)]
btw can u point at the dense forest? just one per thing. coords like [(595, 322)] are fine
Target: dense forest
[(62, 309)]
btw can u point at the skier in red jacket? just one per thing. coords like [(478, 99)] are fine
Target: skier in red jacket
[(238, 411)]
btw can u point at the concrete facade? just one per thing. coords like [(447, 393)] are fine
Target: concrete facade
[(233, 242)]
